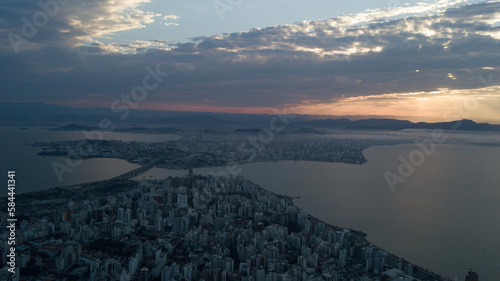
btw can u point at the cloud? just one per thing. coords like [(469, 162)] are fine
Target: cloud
[(67, 23), (369, 54), (172, 17), (169, 18)]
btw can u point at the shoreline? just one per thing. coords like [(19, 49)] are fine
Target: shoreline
[(56, 196), (359, 232), (363, 150)]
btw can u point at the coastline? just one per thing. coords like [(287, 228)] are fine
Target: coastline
[(58, 195), (410, 146), (421, 270)]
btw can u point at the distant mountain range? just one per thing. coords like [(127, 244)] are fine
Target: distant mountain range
[(141, 130), (151, 121), (394, 124)]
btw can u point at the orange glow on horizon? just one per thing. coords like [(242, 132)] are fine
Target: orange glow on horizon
[(207, 108), (171, 107), (481, 105)]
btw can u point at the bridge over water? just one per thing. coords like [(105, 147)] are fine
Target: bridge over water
[(99, 184)]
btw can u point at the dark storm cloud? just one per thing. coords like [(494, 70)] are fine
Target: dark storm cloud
[(288, 64)]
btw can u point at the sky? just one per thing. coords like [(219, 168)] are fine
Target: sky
[(416, 60)]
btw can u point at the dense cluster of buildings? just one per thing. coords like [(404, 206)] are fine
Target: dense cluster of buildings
[(205, 150), (191, 228)]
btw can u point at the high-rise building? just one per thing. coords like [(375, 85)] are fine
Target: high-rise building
[(127, 215), (121, 214), (95, 270), (182, 200), (471, 276), (144, 274), (409, 269), (244, 272), (260, 274)]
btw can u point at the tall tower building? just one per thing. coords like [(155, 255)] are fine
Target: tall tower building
[(121, 214), (244, 272), (182, 199), (144, 274)]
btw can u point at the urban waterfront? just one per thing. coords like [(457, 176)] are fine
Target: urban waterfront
[(454, 193), (445, 213)]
